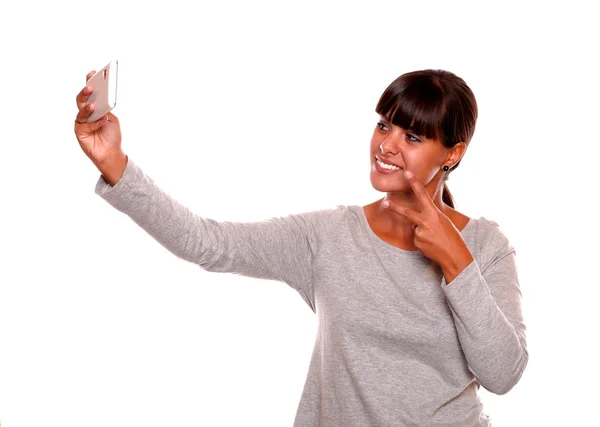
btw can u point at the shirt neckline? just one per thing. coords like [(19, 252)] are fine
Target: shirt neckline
[(385, 245)]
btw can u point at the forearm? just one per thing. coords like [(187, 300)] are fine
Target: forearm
[(136, 195), (494, 346)]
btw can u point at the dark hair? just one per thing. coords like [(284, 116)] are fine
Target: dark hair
[(434, 103)]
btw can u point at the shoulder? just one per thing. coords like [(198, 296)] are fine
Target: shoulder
[(325, 214), (320, 221), (491, 233), (493, 241)]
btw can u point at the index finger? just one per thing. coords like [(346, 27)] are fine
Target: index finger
[(90, 75), (422, 195)]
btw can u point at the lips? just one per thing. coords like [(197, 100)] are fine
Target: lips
[(380, 169), (384, 160)]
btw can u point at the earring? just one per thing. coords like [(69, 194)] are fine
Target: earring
[(446, 168)]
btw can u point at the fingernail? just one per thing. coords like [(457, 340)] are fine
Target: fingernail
[(408, 174), (385, 203)]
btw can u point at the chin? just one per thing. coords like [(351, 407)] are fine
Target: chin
[(388, 186)]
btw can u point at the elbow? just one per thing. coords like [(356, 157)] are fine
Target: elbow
[(500, 388), (506, 379)]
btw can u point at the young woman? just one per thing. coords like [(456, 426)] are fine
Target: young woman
[(417, 304)]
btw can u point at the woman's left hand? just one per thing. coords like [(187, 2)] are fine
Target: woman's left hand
[(435, 234)]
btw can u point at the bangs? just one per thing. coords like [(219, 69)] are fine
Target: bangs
[(415, 103)]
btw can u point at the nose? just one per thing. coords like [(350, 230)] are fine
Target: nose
[(391, 144)]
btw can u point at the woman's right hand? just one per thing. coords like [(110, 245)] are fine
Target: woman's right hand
[(99, 140)]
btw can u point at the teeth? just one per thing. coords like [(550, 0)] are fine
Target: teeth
[(386, 166)]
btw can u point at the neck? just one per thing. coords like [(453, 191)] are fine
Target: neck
[(397, 224)]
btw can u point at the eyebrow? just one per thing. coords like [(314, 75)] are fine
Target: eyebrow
[(410, 128), (422, 136)]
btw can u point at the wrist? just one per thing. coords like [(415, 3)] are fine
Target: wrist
[(113, 166), (456, 265)]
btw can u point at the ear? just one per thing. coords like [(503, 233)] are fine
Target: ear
[(456, 153)]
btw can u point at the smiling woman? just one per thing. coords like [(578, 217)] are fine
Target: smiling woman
[(417, 304), (427, 119), (433, 106)]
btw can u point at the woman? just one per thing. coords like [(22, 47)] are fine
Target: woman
[(417, 304)]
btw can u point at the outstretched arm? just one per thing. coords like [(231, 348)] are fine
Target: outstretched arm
[(274, 249)]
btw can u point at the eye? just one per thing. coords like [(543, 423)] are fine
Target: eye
[(382, 126), (413, 138)]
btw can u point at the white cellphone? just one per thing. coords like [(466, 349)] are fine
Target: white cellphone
[(104, 83)]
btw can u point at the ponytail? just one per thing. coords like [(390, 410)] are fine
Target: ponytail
[(447, 197)]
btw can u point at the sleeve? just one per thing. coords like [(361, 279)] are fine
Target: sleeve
[(275, 249), (486, 306)]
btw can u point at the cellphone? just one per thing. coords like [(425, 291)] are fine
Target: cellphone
[(104, 93)]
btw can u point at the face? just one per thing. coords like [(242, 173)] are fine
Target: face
[(422, 156)]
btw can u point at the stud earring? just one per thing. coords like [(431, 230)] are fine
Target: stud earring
[(446, 168)]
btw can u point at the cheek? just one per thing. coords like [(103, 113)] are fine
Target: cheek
[(375, 143), (414, 159), (422, 163)]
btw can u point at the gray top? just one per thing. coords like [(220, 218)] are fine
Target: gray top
[(396, 345)]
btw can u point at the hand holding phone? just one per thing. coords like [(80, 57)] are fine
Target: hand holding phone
[(100, 140), (104, 95)]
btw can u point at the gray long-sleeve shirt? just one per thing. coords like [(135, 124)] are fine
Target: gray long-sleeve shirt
[(396, 345)]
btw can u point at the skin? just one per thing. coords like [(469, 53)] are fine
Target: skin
[(417, 218)]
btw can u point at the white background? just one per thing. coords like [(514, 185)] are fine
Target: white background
[(250, 110)]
